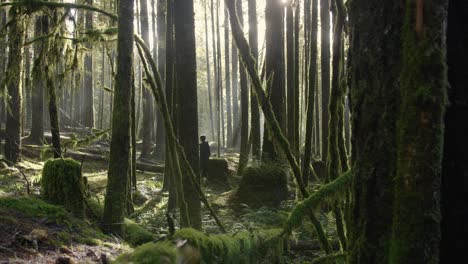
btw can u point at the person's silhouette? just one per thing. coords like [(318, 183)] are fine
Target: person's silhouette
[(205, 153)]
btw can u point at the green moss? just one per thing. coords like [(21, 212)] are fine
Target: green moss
[(243, 247), (62, 184), (136, 235), (218, 171), (262, 185)]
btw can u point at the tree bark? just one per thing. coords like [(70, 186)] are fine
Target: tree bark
[(187, 84), (325, 57), (274, 60), (14, 86), (87, 115), (227, 79), (254, 109), (119, 164)]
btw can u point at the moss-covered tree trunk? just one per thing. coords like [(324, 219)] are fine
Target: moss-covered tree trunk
[(37, 100), (254, 108), (312, 74), (423, 87), (290, 76), (87, 109), (244, 103), (274, 62), (455, 160), (14, 85), (375, 52), (53, 113), (119, 164), (186, 76)]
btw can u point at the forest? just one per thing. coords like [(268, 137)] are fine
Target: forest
[(233, 131)]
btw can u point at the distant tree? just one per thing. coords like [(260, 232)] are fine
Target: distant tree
[(244, 101), (14, 85), (227, 78), (186, 78), (87, 115), (235, 96), (312, 74), (119, 163), (274, 60), (37, 100), (161, 41), (254, 108), (325, 63), (148, 117), (208, 71)]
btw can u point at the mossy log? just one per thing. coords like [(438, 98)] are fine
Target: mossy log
[(62, 184), (262, 185), (218, 171), (191, 246)]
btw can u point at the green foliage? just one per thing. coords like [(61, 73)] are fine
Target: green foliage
[(262, 185), (242, 247), (329, 191), (62, 184)]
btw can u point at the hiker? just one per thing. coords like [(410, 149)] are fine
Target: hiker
[(205, 153)]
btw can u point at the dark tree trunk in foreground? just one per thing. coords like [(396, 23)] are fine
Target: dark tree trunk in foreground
[(374, 72), (312, 54), (290, 76), (14, 86), (148, 118), (187, 86), (37, 100), (423, 88), (274, 60), (325, 57), (160, 130), (455, 160), (244, 96), (87, 115), (119, 164), (254, 108), (53, 114)]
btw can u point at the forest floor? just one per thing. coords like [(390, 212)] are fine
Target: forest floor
[(32, 231)]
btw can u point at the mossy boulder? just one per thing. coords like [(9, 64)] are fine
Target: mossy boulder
[(264, 184), (218, 171), (62, 184)]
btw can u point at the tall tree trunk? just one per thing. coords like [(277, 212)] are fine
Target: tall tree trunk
[(274, 60), (374, 69), (235, 96), (216, 77), (148, 118), (53, 113), (325, 57), (208, 71), (3, 62), (423, 88), (227, 79), (119, 163), (87, 116), (254, 108), (37, 102), (220, 78), (187, 85), (14, 85), (297, 126), (455, 160), (244, 92), (311, 94), (160, 130), (101, 94), (290, 76)]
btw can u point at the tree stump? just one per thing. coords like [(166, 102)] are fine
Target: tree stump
[(62, 184), (218, 171), (262, 185)]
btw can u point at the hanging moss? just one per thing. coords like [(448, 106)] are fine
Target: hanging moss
[(62, 184), (262, 185), (243, 247)]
